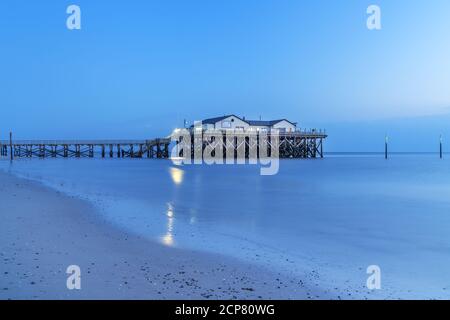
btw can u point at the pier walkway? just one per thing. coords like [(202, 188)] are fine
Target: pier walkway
[(156, 148)]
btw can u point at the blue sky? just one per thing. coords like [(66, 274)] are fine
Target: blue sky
[(138, 68)]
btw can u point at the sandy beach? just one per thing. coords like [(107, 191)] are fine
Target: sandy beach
[(44, 231)]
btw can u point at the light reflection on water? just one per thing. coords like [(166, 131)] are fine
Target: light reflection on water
[(177, 175), (168, 238)]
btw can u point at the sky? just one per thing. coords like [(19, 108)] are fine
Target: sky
[(137, 69)]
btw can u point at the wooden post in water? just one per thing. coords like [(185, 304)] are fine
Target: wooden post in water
[(440, 146), (10, 146), (321, 148), (158, 149), (166, 151), (386, 140)]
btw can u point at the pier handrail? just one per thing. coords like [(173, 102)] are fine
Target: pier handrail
[(78, 142), (298, 132)]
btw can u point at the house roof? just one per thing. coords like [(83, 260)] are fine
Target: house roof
[(268, 123), (217, 119)]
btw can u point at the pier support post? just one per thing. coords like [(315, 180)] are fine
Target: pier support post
[(10, 146), (386, 140), (314, 148), (166, 151), (440, 147), (158, 150), (321, 147)]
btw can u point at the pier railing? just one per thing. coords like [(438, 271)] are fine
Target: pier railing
[(79, 142), (297, 133)]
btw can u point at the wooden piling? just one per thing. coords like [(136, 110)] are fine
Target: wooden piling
[(386, 140), (321, 147), (166, 151), (440, 147), (158, 150), (10, 146)]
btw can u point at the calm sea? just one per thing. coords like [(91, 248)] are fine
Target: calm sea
[(329, 218)]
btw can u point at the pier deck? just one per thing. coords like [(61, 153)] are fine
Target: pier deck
[(155, 148)]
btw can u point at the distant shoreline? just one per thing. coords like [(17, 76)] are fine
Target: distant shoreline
[(382, 153)]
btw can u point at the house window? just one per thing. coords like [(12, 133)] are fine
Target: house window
[(226, 124)]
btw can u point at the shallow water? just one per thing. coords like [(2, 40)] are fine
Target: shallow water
[(329, 218)]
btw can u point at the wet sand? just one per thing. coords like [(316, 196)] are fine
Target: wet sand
[(44, 231)]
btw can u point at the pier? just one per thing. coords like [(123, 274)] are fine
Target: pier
[(234, 143), (156, 148)]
